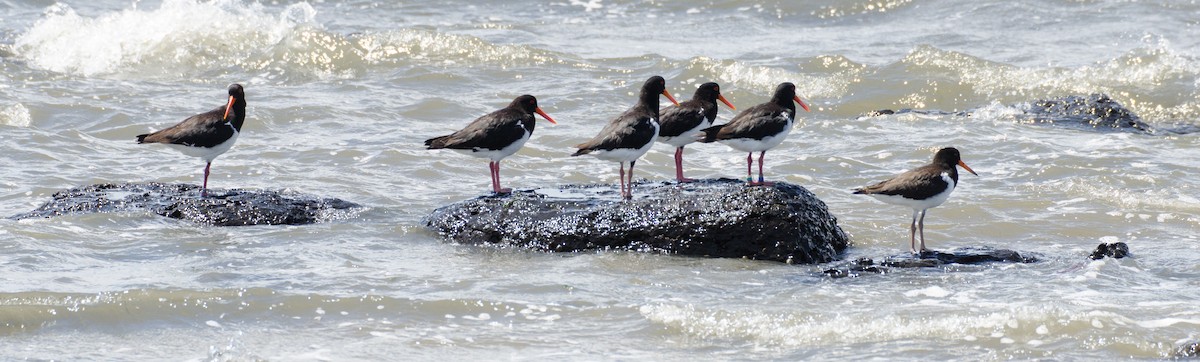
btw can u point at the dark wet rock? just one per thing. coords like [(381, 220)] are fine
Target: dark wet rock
[(930, 112), (1096, 111), (712, 218), (1188, 350), (1115, 250), (855, 268), (929, 259), (234, 207)]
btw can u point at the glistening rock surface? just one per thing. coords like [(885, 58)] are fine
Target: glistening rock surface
[(1116, 250), (1093, 112), (181, 201), (929, 259), (712, 218)]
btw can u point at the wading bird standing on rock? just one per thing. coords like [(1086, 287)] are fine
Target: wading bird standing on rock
[(206, 135), (921, 189)]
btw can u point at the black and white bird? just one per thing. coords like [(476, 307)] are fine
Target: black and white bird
[(206, 135), (678, 125), (921, 189), (631, 134), (759, 128), (496, 135)]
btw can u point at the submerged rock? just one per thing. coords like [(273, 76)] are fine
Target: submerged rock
[(1188, 350), (1096, 111), (712, 218), (1115, 250), (235, 207), (929, 259)]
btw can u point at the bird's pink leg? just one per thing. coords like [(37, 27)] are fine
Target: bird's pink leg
[(629, 183), (921, 228), (621, 176), (494, 166), (912, 234), (760, 182), (679, 166), (204, 188)]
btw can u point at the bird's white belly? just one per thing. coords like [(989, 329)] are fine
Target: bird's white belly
[(931, 202), (497, 155), (206, 153), (686, 137), (625, 154), (753, 145)]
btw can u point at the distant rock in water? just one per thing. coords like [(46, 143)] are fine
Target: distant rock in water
[(181, 201), (1095, 112), (1188, 350), (711, 218), (1115, 250), (929, 259)]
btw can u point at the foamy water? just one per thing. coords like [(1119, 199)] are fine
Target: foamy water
[(341, 94)]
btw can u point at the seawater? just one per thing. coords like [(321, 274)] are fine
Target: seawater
[(341, 94)]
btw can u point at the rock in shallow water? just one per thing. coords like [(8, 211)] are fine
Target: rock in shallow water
[(1095, 111), (713, 218), (1115, 250), (932, 258), (1188, 350), (235, 207)]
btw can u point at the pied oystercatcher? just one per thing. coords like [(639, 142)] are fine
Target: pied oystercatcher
[(496, 135), (631, 134), (921, 189), (759, 128), (206, 135), (678, 125)]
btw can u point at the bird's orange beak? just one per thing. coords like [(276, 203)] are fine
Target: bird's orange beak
[(968, 168), (544, 115), (228, 107), (726, 101), (802, 105), (668, 94)]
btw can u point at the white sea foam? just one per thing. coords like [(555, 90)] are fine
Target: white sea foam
[(800, 329), (16, 115), (176, 38)]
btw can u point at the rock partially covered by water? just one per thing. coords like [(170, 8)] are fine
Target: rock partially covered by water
[(1096, 111), (1115, 250), (929, 259), (1188, 350), (712, 218), (235, 207)]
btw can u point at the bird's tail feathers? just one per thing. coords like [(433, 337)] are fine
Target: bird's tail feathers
[(709, 134)]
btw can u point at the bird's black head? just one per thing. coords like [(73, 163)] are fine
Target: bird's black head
[(655, 86), (708, 91), (526, 102), (529, 104), (235, 91), (785, 93), (235, 110), (711, 92), (950, 157)]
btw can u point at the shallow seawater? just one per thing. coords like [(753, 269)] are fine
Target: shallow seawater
[(342, 93)]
